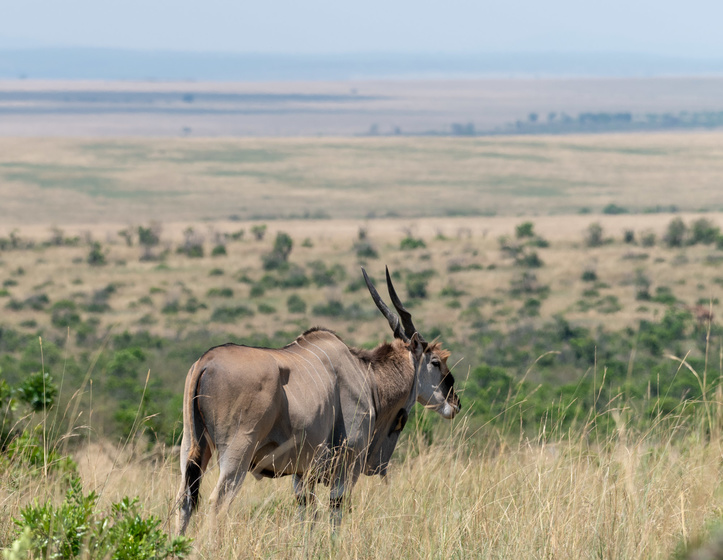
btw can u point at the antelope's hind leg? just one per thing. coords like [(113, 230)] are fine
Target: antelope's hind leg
[(234, 461), (191, 475)]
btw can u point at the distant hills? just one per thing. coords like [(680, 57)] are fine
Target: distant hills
[(118, 64)]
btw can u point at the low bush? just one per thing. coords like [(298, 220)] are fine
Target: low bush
[(220, 292), (648, 238), (416, 284), (258, 231), (266, 308), (410, 243), (332, 308), (323, 275), (703, 231), (594, 236), (525, 229), (279, 255), (675, 233), (64, 314), (219, 251), (613, 209), (96, 256), (226, 314), (295, 304), (76, 529)]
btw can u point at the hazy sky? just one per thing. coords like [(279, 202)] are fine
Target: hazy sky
[(670, 27)]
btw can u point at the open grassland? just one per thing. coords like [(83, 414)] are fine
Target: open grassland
[(466, 274), (632, 494), (586, 346), (62, 181)]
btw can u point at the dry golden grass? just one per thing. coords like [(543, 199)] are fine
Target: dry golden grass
[(631, 494), (70, 181)]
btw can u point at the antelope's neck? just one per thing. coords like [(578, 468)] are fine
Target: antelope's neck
[(394, 376)]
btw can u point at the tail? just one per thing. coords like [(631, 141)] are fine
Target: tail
[(195, 444)]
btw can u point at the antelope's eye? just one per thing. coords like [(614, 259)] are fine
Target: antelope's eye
[(435, 362)]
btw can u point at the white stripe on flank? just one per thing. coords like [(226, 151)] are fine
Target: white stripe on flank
[(308, 362)]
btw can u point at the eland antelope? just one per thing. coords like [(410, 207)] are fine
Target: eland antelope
[(317, 410)]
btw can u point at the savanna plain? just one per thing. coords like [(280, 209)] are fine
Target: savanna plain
[(574, 279)]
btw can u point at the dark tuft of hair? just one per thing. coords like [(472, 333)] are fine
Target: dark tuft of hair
[(375, 356)]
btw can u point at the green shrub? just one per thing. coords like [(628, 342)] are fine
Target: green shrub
[(525, 229), (410, 243), (451, 291), (539, 242), (266, 308), (216, 272), (171, 307), (295, 304), (64, 314), (332, 308), (273, 261), (76, 529), (220, 292), (675, 233), (226, 314), (629, 236), (125, 371), (664, 295), (14, 305), (594, 237), (38, 391), (417, 286), (37, 302), (149, 236), (279, 255), (527, 284), (529, 259), (608, 304), (293, 276), (648, 238), (193, 304), (99, 300), (192, 244), (365, 250), (96, 256), (703, 231), (219, 251), (259, 231), (326, 276), (589, 275), (357, 283), (613, 208), (30, 451), (257, 290), (642, 286), (195, 252), (531, 307)]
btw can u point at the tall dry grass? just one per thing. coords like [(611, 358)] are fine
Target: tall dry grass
[(631, 493)]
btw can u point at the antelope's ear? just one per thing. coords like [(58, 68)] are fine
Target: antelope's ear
[(416, 346)]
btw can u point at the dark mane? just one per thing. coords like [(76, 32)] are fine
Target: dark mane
[(375, 356), (312, 331), (319, 329)]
